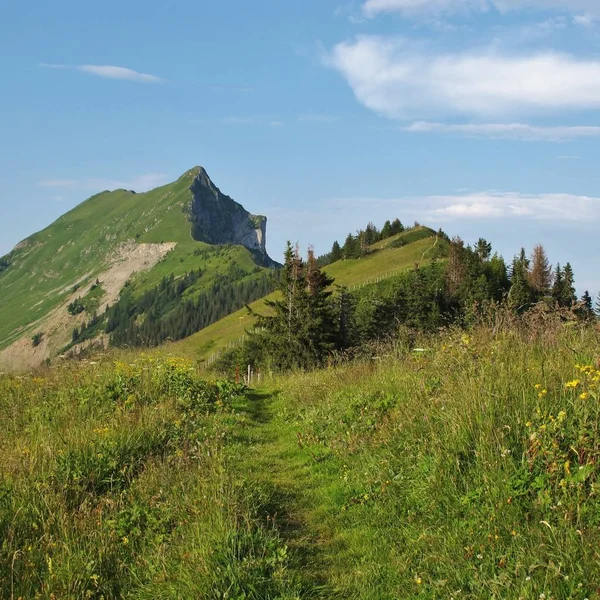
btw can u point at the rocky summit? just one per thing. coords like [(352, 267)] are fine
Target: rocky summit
[(218, 219)]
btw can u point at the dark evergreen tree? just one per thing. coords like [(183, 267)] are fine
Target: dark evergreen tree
[(569, 296), (302, 329), (483, 249), (352, 247), (336, 252), (586, 307), (386, 231), (396, 227), (521, 295)]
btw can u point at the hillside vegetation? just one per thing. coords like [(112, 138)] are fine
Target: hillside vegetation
[(99, 239), (467, 469), (383, 261)]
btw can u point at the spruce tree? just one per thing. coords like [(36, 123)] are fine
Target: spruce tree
[(568, 294), (301, 329), (336, 252), (483, 249), (586, 308), (521, 295), (557, 285), (396, 227), (386, 231)]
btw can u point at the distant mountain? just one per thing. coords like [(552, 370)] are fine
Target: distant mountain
[(57, 279)]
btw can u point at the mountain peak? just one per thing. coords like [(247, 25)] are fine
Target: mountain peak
[(219, 219)]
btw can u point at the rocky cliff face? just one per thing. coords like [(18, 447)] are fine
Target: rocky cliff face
[(218, 219)]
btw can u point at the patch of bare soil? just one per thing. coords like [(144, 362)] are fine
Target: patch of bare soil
[(57, 326)]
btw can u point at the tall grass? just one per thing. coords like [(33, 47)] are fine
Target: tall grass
[(467, 469)]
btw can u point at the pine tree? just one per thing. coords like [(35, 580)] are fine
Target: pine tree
[(386, 231), (586, 307), (483, 249), (352, 247), (457, 269), (557, 285), (540, 274), (396, 227), (302, 328), (520, 295), (569, 296), (597, 311), (371, 234), (336, 252)]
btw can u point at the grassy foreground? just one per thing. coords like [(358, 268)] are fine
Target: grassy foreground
[(467, 470)]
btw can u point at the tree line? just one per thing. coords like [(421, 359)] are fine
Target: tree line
[(357, 245), (315, 319), (168, 312)]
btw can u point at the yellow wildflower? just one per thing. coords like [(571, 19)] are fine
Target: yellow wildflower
[(573, 384), (584, 396)]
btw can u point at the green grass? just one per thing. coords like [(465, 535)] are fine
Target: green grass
[(468, 470), (80, 245)]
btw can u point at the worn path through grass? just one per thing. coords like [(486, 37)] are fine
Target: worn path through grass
[(269, 459)]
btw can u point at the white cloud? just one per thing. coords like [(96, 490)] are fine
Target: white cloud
[(487, 205), (512, 131), (141, 183), (399, 79), (276, 123), (108, 72), (372, 8), (585, 20), (506, 205)]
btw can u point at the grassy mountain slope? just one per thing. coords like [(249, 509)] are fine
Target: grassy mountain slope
[(40, 275), (383, 261)]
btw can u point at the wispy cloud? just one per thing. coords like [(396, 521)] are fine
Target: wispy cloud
[(108, 72), (140, 183), (485, 205), (585, 20), (400, 79), (512, 131), (507, 205), (372, 8)]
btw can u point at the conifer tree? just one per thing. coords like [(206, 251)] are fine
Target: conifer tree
[(569, 296), (457, 268), (396, 227), (483, 250), (586, 308), (371, 234), (597, 308), (302, 329), (521, 294), (557, 284), (336, 252), (540, 274), (386, 231)]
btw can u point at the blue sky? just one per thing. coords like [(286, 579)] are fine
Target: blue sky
[(479, 116)]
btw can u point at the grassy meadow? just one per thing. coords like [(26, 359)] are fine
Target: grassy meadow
[(464, 466)]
